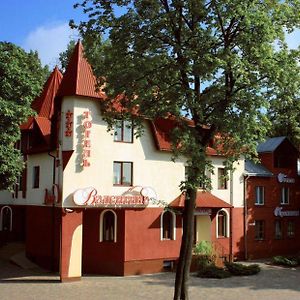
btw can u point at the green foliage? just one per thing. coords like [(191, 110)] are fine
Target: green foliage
[(203, 248), (285, 261), (238, 269), (212, 271), (21, 79), (215, 62)]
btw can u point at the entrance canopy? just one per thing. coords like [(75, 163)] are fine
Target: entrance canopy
[(204, 200)]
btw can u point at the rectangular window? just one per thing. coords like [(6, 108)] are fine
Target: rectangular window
[(259, 195), (259, 229), (36, 177), (122, 173), (123, 132), (291, 229), (278, 229), (222, 181), (285, 195)]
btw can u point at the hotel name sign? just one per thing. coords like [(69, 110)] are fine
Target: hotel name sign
[(282, 178), (89, 197)]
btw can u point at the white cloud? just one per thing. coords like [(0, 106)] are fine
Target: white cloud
[(49, 41)]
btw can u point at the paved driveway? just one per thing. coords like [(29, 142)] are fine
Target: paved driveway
[(273, 283)]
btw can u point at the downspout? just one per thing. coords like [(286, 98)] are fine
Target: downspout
[(245, 217), (53, 212), (230, 217)]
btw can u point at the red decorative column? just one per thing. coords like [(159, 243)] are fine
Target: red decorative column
[(71, 245)]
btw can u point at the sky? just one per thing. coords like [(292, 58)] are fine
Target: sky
[(42, 25)]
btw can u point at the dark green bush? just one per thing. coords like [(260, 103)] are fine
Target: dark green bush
[(212, 271), (285, 261), (238, 269)]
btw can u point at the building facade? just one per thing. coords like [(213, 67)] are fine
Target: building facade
[(273, 201), (94, 201)]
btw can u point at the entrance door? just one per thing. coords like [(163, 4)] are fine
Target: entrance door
[(202, 228)]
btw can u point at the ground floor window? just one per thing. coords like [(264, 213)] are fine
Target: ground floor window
[(168, 220), (6, 219), (222, 223), (291, 229), (108, 226), (259, 229), (278, 229)]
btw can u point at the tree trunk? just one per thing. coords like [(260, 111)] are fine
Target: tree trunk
[(185, 258)]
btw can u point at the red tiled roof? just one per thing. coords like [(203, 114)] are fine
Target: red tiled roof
[(28, 124), (44, 125), (79, 79), (204, 200), (162, 128), (44, 104)]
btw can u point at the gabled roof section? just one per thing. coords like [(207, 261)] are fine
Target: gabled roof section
[(79, 79), (204, 200), (44, 104), (270, 145), (162, 128), (253, 169)]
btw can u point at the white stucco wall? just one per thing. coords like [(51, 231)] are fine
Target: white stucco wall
[(150, 167), (34, 196), (237, 186)]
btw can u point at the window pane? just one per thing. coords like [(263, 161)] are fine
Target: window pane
[(221, 224), (36, 177), (117, 172), (222, 182), (118, 131), (278, 229), (127, 131), (167, 225), (291, 229), (284, 195), (127, 168), (108, 226), (259, 195), (259, 229)]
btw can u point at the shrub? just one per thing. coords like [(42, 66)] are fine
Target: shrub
[(285, 261), (212, 271), (238, 269), (203, 248)]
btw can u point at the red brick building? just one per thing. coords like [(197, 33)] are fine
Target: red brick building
[(272, 201)]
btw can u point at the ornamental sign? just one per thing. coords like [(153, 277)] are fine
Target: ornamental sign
[(202, 212), (282, 178), (287, 213), (89, 197), (86, 153)]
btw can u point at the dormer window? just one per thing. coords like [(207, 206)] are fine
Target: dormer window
[(123, 132)]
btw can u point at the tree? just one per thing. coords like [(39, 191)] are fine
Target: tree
[(93, 48), (214, 62), (21, 79), (284, 111)]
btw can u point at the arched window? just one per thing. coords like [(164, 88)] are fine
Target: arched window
[(168, 221), (6, 219), (108, 226), (222, 223)]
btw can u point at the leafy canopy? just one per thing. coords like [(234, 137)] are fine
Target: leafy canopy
[(21, 79), (215, 62)]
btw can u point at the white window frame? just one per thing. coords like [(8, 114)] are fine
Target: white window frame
[(283, 199), (259, 195), (1, 217), (101, 225), (227, 223), (123, 125), (174, 225)]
